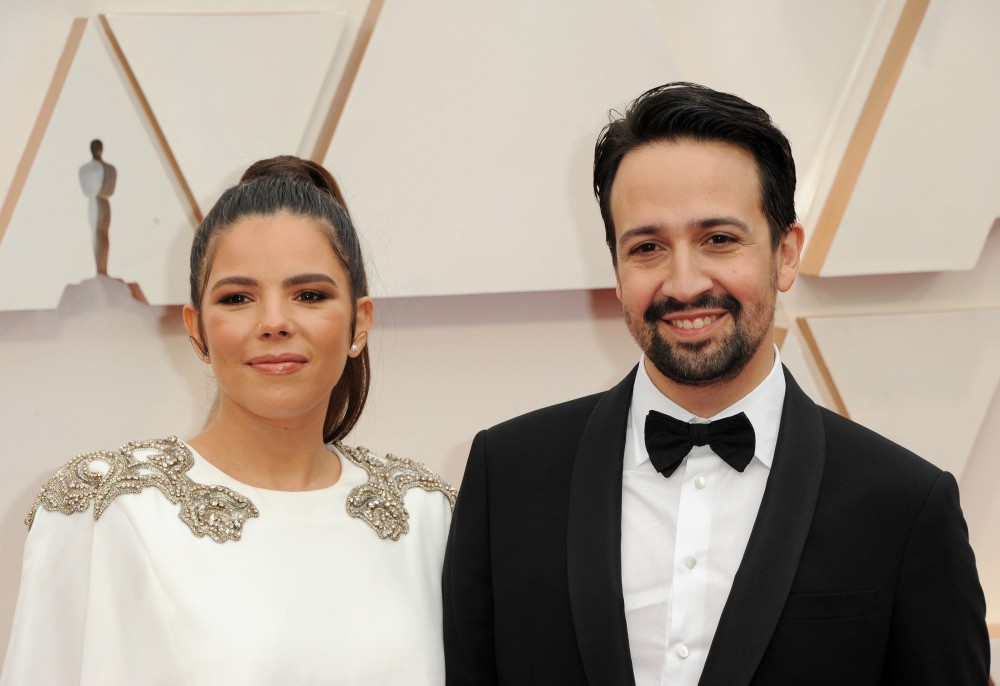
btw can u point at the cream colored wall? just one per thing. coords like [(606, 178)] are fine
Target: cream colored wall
[(102, 369)]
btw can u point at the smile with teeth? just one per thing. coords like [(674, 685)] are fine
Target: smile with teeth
[(696, 323)]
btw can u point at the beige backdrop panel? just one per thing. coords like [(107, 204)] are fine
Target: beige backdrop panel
[(465, 146), (927, 195), (228, 90)]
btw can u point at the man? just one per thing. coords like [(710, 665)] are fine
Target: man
[(602, 541)]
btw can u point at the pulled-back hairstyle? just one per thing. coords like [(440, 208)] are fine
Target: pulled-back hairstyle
[(686, 111), (302, 189)]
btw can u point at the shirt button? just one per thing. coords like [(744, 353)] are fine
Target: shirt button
[(700, 482), (683, 652), (690, 562)]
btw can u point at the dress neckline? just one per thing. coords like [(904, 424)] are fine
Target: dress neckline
[(350, 475)]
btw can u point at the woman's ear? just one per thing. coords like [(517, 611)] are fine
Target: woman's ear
[(363, 321), (194, 332)]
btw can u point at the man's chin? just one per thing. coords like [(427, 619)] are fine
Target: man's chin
[(689, 365), (696, 378)]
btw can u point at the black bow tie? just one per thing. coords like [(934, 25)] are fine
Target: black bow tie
[(669, 440)]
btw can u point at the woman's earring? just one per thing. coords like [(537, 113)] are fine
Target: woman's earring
[(199, 349), (358, 340)]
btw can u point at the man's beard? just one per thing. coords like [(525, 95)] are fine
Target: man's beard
[(706, 362)]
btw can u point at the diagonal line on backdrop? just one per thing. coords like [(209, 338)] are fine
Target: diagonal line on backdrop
[(824, 370), (161, 139), (346, 81), (865, 130), (41, 123)]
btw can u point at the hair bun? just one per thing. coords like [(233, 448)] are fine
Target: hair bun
[(302, 170)]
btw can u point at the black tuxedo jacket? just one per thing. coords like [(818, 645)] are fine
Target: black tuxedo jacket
[(858, 570)]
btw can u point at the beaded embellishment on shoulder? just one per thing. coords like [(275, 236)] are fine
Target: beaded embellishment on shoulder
[(379, 502), (216, 511)]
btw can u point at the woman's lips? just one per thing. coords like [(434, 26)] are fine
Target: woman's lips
[(286, 363)]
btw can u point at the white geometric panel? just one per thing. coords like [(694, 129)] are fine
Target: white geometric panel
[(228, 90), (465, 147), (816, 56), (48, 242), (927, 194), (908, 375)]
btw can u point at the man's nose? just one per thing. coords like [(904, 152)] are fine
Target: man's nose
[(687, 278)]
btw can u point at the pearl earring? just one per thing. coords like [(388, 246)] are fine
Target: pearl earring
[(354, 347)]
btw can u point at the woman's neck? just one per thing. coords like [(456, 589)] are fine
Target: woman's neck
[(281, 456)]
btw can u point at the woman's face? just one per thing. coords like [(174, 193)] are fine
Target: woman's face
[(277, 318)]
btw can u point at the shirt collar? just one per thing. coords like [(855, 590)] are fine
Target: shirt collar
[(762, 407)]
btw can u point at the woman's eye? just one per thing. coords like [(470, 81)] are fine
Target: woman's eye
[(235, 299), (311, 296)]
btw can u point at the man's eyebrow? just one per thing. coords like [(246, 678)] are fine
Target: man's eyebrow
[(648, 230), (715, 222)]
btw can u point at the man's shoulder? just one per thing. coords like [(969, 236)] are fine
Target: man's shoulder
[(537, 448), (857, 448), (571, 416), (870, 452), (562, 418)]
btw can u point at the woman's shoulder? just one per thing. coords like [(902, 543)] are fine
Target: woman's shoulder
[(379, 501), (98, 478)]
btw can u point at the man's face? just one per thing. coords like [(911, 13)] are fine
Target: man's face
[(696, 275)]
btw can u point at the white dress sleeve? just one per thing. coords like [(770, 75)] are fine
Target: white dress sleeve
[(89, 611), (47, 637)]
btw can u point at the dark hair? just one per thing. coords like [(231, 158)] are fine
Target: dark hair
[(304, 189), (687, 111)]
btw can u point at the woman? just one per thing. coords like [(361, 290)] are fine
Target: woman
[(263, 550)]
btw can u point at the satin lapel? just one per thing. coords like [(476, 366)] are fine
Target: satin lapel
[(594, 541), (772, 556)]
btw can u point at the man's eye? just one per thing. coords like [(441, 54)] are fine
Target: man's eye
[(720, 239), (644, 247)]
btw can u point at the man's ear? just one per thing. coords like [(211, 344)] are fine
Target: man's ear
[(788, 255)]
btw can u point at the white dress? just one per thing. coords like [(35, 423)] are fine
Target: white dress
[(164, 570)]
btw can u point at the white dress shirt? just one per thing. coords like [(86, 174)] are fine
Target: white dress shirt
[(683, 537)]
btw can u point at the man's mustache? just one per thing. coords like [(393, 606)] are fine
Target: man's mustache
[(659, 309)]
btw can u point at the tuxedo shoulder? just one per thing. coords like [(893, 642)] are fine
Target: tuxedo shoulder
[(864, 449), (561, 418)]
